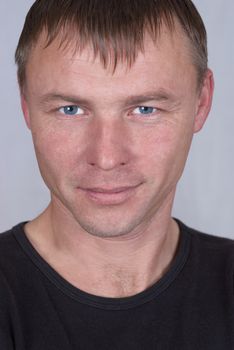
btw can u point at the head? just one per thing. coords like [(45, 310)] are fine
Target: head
[(113, 92)]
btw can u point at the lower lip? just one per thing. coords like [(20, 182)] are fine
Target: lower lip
[(113, 198)]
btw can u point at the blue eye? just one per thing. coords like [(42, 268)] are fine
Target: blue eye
[(144, 110), (71, 110)]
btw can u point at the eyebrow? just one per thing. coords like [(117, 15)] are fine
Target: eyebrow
[(161, 96), (54, 97)]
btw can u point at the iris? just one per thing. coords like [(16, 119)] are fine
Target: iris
[(70, 110), (146, 110)]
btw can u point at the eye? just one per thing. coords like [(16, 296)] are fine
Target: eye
[(144, 110), (71, 110)]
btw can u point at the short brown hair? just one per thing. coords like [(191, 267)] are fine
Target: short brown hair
[(115, 28)]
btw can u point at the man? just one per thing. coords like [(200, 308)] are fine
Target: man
[(113, 92)]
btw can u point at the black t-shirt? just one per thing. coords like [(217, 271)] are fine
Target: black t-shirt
[(189, 308)]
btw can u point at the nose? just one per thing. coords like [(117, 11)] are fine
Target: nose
[(108, 145)]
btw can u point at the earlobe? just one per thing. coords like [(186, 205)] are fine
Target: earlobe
[(205, 101), (24, 106)]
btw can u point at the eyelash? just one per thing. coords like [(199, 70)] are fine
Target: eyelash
[(77, 108)]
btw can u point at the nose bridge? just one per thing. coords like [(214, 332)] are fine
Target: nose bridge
[(108, 144)]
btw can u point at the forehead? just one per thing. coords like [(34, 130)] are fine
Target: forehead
[(166, 59)]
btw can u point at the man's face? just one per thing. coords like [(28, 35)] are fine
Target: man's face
[(111, 147)]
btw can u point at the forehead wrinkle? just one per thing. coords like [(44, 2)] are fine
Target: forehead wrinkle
[(160, 96), (135, 75), (71, 47), (87, 55)]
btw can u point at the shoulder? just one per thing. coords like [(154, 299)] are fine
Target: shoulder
[(210, 252), (8, 242), (8, 248), (7, 245), (12, 256), (207, 240)]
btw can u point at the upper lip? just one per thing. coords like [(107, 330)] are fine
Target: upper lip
[(109, 190)]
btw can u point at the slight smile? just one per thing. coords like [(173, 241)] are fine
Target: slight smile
[(112, 196)]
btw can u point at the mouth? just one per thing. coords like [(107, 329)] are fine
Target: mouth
[(110, 196)]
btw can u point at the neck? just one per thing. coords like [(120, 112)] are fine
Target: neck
[(111, 267)]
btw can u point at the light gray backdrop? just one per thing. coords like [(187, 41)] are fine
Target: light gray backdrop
[(205, 194)]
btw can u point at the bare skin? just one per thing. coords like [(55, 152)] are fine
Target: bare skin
[(112, 169), (102, 266)]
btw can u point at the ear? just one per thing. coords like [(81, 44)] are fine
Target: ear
[(204, 101), (25, 109)]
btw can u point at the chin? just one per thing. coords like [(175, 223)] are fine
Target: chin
[(107, 227), (107, 230)]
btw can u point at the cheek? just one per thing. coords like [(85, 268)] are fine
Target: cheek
[(165, 150), (55, 151)]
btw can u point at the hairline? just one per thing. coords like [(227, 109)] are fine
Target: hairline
[(67, 40)]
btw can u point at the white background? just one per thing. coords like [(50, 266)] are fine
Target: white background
[(205, 193)]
